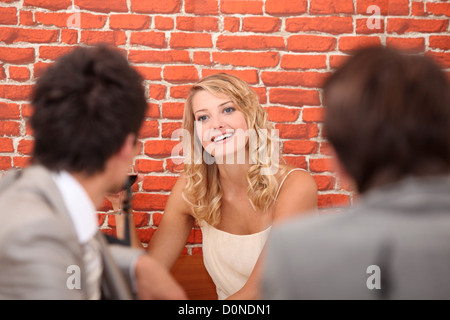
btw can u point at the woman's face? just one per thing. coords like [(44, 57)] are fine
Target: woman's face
[(219, 125)]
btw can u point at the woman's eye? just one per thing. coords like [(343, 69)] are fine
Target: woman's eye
[(202, 118), (228, 110)]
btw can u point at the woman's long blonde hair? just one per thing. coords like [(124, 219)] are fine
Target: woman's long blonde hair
[(203, 190)]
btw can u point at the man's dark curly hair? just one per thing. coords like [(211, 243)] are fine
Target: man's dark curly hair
[(85, 105)]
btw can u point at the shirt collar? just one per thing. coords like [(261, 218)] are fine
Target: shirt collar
[(81, 209)]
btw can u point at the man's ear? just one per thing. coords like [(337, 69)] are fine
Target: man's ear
[(346, 179), (128, 149)]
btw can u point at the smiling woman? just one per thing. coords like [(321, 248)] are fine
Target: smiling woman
[(234, 202)]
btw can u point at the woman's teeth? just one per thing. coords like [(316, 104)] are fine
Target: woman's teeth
[(223, 137)]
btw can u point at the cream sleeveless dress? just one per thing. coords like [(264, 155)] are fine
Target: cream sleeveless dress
[(230, 258)]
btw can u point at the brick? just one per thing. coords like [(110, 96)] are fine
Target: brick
[(53, 52), (247, 59), (300, 147), (15, 92), (333, 25), (202, 57), (157, 91), (286, 7), (69, 36), (296, 161), (438, 8), (201, 7), (195, 236), (181, 74), (39, 69), (364, 26), (60, 19), (225, 42), (164, 23), (172, 110), (291, 61), (27, 110), (17, 55), (308, 43), (25, 146), (9, 111), (159, 56), (19, 73), (149, 202), (410, 44), (417, 8), (261, 93), (401, 26), (331, 7), (261, 24), (350, 43), (197, 23), (149, 73), (337, 60), (324, 183), (168, 128), (282, 114), (250, 76), (149, 38), (231, 24), (129, 21), (159, 148), (159, 183), (180, 92), (14, 35), (440, 42), (10, 128), (48, 4), (99, 6), (148, 166), (173, 167), (321, 165), (333, 200), (2, 72), (149, 129), (313, 114), (387, 7), (294, 97), (241, 6), (6, 145), (21, 162), (26, 18), (115, 38), (297, 131), (5, 163), (8, 15), (156, 6), (152, 110), (190, 40), (284, 78)]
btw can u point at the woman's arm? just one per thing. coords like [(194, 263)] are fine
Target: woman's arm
[(298, 195), (174, 229)]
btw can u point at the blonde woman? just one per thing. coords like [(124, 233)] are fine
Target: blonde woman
[(232, 185)]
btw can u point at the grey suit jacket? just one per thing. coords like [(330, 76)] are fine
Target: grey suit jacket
[(393, 244), (38, 243)]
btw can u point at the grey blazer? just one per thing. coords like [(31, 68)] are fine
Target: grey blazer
[(393, 244), (38, 243)]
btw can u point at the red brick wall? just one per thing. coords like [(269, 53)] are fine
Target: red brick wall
[(283, 48)]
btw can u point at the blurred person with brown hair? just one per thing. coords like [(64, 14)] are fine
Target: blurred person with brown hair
[(88, 108), (388, 121)]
